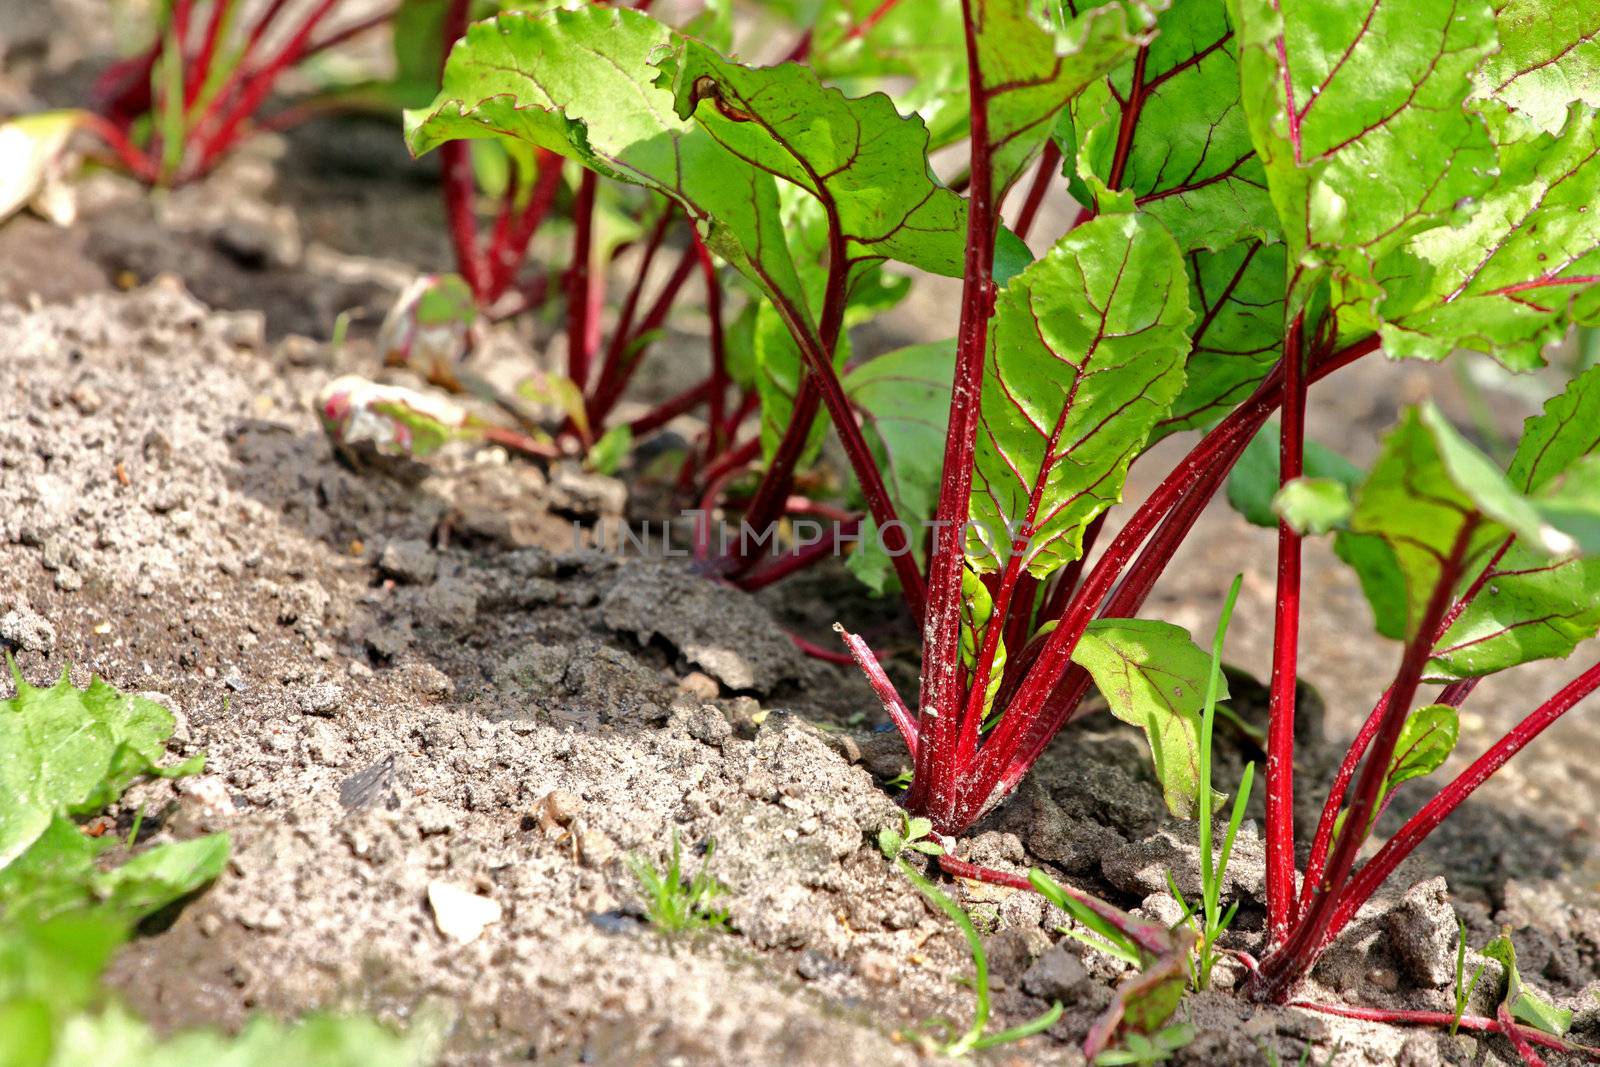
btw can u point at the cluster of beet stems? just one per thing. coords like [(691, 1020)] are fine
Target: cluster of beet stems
[(957, 779)]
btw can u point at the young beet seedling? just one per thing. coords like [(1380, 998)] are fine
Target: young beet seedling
[(1269, 193)]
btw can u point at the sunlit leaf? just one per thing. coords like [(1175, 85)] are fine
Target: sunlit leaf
[(1085, 354), (1355, 108), (1531, 607), (1167, 125), (1313, 505), (1153, 676)]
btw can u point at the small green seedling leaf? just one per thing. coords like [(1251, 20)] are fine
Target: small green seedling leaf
[(1526, 1007), (676, 906), (1098, 932), (65, 750), (912, 834), (430, 328), (1157, 1048), (1313, 505), (1426, 741), (1154, 677), (1253, 483), (612, 448), (1463, 987)]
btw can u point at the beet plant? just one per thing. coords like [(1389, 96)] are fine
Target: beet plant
[(174, 110), (1269, 192)]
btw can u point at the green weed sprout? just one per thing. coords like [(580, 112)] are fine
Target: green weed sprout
[(975, 1040), (1463, 988), (1137, 1048), (1209, 921), (673, 905)]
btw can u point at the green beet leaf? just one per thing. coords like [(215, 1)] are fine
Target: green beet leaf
[(1313, 505), (1356, 110), (1168, 131), (66, 750), (1426, 741), (1253, 482), (918, 48), (580, 83), (1549, 56), (1153, 676), (1168, 127), (1031, 70), (1085, 354), (1238, 297), (1427, 738), (1531, 607), (1427, 488), (1520, 271), (1526, 1007), (864, 161), (114, 1038), (904, 400)]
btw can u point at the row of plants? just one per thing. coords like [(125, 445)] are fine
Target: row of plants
[(1266, 193), (1269, 194)]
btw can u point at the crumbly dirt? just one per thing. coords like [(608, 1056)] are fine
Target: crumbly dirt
[(408, 678)]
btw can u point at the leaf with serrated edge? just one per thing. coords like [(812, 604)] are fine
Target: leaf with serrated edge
[(860, 157), (580, 83), (904, 400), (65, 750), (1549, 56), (1188, 160), (1531, 607), (1512, 278), (1085, 354), (1153, 676), (1355, 107), (854, 41)]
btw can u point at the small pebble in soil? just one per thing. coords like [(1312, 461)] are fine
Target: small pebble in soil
[(27, 629), (460, 914), (323, 698), (409, 561), (813, 965), (699, 685), (558, 808), (1056, 975), (614, 922)]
